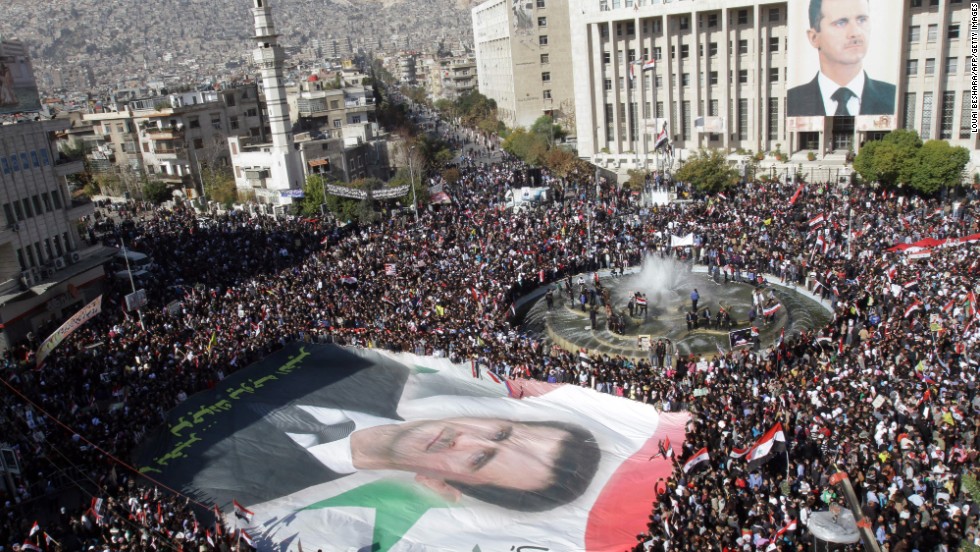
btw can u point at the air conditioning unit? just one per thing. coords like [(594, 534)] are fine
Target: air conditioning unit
[(59, 263), (27, 278), (46, 273), (74, 257)]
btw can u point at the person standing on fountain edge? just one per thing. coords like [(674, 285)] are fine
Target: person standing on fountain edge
[(694, 300)]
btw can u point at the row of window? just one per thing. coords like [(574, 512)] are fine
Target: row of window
[(947, 111), (24, 161), (710, 20), (743, 78), (952, 65), (29, 207), (38, 253), (685, 50), (918, 3), (932, 32)]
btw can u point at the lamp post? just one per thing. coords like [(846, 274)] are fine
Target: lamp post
[(411, 177)]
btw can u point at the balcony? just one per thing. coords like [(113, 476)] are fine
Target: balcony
[(80, 207), (65, 166), (164, 133), (165, 153)]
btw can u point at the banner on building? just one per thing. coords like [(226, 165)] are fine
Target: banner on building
[(18, 89), (709, 125), (87, 313), (838, 46), (384, 451), (740, 338), (355, 193)]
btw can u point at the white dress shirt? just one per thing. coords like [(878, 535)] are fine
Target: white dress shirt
[(829, 87)]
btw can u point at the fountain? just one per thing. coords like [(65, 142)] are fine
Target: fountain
[(667, 285)]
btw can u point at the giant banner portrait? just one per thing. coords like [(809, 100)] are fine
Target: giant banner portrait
[(845, 58), (18, 89), (347, 449)]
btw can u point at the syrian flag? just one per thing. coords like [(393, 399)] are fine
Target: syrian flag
[(632, 76), (584, 360), (48, 541), (738, 452), (350, 280), (391, 270), (796, 196), (912, 308), (96, 509), (771, 442), (493, 377), (971, 305), (661, 140), (771, 310), (207, 536), (34, 529), (649, 65), (949, 306), (819, 219), (247, 538), (241, 511), (642, 301), (664, 449), (791, 526), (28, 545), (699, 457), (892, 272)]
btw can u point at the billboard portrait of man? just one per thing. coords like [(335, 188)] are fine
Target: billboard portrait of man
[(840, 32)]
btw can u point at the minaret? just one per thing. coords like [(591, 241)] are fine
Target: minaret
[(268, 55)]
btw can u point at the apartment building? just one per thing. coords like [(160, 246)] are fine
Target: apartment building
[(722, 69), (47, 272), (524, 59), (326, 101), (172, 137)]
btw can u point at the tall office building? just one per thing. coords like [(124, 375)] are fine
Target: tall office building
[(523, 59), (723, 70)]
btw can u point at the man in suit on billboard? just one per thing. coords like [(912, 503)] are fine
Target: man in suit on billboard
[(840, 31)]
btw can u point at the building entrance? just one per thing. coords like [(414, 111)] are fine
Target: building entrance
[(843, 133)]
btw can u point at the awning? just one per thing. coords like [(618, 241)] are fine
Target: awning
[(319, 162)]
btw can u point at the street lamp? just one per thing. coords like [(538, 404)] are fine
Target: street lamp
[(411, 176)]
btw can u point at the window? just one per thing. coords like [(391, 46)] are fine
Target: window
[(685, 51), (603, 31), (965, 114), (926, 130), (546, 76), (607, 84), (9, 214), (930, 66), (37, 204), (216, 121), (45, 160), (543, 40), (773, 44), (933, 33), (743, 47), (908, 118), (198, 143), (27, 208), (5, 164), (546, 94), (683, 23), (953, 31), (685, 79), (774, 15), (742, 17), (773, 74), (545, 58), (194, 123), (630, 28), (743, 119), (914, 32), (656, 53), (951, 65), (24, 162), (685, 119), (713, 77), (912, 67), (355, 119), (712, 20), (713, 108), (337, 123), (743, 76), (542, 22), (34, 160), (540, 4), (712, 49), (916, 3), (46, 200), (233, 123), (660, 110), (773, 126), (18, 210), (657, 26), (14, 163), (631, 55), (946, 123)]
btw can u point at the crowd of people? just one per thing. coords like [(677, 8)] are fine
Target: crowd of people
[(885, 392)]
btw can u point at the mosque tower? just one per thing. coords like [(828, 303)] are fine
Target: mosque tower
[(285, 170)]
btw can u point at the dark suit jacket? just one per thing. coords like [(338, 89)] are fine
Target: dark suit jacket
[(242, 454), (878, 98)]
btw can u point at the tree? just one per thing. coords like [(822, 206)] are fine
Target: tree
[(970, 487), (563, 163), (545, 127), (157, 192), (530, 147), (219, 185), (708, 171), (935, 166), (637, 179), (313, 195), (451, 175), (884, 161)]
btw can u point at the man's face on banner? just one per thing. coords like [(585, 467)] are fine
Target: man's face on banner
[(478, 451), (842, 37)]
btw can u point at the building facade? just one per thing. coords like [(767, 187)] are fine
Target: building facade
[(523, 56), (47, 271), (722, 70)]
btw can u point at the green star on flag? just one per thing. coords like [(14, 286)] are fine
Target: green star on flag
[(397, 507)]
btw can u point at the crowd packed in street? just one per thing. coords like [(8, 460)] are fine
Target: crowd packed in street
[(886, 392)]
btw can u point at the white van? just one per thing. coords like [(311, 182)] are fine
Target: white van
[(140, 264)]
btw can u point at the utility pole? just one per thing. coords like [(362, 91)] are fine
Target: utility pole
[(411, 176)]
